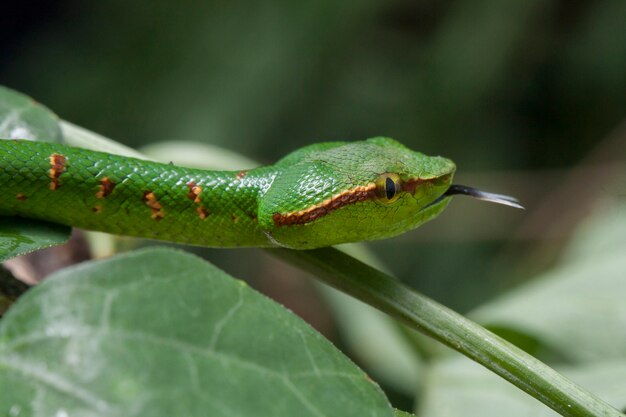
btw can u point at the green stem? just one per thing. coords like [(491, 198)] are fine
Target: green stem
[(439, 322)]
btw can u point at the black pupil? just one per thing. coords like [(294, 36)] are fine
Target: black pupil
[(390, 188)]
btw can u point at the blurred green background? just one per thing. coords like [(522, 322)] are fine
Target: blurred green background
[(515, 91), (519, 93)]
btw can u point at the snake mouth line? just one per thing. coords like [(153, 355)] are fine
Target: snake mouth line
[(456, 189), (436, 201)]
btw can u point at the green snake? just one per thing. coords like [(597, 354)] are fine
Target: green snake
[(320, 195)]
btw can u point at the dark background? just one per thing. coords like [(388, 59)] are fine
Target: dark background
[(517, 92), (493, 84)]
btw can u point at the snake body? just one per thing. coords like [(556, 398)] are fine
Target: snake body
[(319, 195)]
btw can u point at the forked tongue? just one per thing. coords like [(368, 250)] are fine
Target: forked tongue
[(484, 195)]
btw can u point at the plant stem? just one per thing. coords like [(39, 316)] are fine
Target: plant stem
[(450, 328)]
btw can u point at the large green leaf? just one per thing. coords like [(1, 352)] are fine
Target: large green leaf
[(459, 387), (162, 333), (21, 117)]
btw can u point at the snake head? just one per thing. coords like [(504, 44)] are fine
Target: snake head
[(347, 192)]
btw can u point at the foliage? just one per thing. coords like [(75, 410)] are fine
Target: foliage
[(143, 325), (506, 85), (516, 85), (199, 344)]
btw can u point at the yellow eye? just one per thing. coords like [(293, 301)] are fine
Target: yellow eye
[(388, 187)]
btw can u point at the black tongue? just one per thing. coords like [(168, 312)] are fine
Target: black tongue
[(484, 195)]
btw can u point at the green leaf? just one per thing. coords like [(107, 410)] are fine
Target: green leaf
[(198, 155), (21, 117), (78, 136), (459, 387), (602, 234), (578, 308), (20, 236), (400, 413), (163, 333)]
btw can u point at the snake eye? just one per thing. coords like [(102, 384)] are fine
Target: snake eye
[(388, 187)]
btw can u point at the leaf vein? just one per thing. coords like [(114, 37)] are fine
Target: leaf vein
[(44, 376)]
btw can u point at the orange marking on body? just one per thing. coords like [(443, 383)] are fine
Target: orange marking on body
[(351, 196), (21, 197), (97, 209), (242, 174), (151, 201), (202, 212), (57, 167), (194, 192), (106, 188)]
